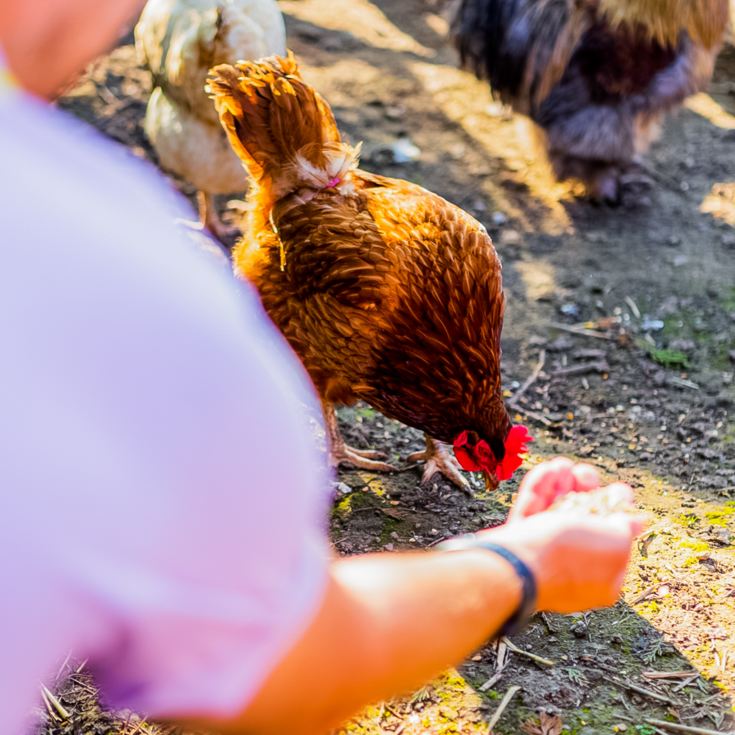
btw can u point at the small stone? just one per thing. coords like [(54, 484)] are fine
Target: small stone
[(652, 325), (499, 218), (342, 488), (404, 151), (395, 112), (510, 238)]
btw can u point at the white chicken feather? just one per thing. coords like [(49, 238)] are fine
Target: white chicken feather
[(179, 41)]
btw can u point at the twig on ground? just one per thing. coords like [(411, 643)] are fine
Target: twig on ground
[(589, 353), (644, 595), (580, 331), (501, 661), (634, 310), (684, 684), (598, 366), (669, 674), (530, 380), (63, 666), (502, 706), (648, 593), (393, 712), (645, 692), (519, 651), (676, 727), (52, 715), (682, 383), (533, 415), (54, 703)]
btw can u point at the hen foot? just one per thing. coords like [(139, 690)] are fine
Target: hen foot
[(365, 459), (210, 219), (341, 453), (439, 458)]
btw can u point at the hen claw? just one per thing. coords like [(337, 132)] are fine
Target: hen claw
[(210, 220), (341, 453), (439, 458), (365, 459)]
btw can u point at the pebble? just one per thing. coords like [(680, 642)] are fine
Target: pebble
[(652, 325), (510, 237), (405, 151)]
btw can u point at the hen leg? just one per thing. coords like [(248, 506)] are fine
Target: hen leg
[(210, 219), (440, 458), (341, 453)]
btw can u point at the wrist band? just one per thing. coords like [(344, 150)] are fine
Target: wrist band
[(527, 606)]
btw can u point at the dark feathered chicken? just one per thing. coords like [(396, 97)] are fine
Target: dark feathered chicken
[(596, 76), (387, 292)]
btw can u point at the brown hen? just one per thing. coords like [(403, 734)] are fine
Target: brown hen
[(388, 293)]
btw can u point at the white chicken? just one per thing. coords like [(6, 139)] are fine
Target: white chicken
[(179, 41)]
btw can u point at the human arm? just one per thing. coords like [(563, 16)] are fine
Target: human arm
[(389, 622)]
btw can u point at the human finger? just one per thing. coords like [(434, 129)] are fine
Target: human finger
[(541, 486), (586, 477)]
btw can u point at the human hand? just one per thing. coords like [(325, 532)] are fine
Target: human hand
[(547, 482), (578, 559)]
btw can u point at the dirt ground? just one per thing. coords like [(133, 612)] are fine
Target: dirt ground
[(626, 317)]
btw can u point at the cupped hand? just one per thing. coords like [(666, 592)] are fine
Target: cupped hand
[(579, 559), (547, 482)]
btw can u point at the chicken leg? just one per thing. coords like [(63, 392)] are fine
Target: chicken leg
[(438, 457), (209, 218), (342, 453)]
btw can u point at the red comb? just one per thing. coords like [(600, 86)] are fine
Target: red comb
[(516, 444)]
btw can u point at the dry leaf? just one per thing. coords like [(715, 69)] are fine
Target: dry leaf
[(547, 725)]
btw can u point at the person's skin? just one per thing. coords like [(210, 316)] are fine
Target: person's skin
[(390, 622), (48, 42), (387, 622)]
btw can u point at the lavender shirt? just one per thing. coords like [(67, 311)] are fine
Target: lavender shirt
[(162, 503)]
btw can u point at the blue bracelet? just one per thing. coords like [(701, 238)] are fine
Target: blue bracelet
[(527, 606)]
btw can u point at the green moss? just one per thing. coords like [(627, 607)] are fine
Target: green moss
[(721, 516), (694, 544), (688, 520), (668, 358), (353, 501)]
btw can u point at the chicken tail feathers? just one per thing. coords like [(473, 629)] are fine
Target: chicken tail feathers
[(281, 128), (522, 47)]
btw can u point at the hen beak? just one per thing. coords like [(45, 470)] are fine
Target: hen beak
[(491, 481)]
